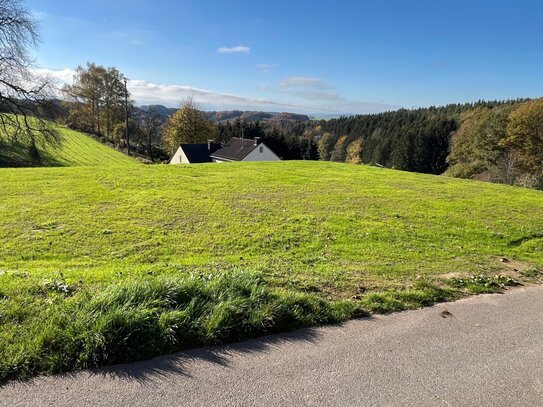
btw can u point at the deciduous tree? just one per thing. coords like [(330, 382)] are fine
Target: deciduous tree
[(525, 134), (188, 125), (476, 145), (354, 150), (340, 149), (96, 100), (150, 134), (325, 145)]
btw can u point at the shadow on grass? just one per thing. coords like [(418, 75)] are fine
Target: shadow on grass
[(16, 155), (232, 306), (143, 319), (182, 362)]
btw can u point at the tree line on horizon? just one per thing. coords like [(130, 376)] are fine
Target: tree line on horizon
[(498, 141)]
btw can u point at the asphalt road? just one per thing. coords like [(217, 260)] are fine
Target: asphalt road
[(489, 352)]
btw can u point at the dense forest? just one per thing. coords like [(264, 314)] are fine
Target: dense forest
[(492, 141), (498, 141), (412, 140)]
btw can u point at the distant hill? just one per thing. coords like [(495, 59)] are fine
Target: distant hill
[(159, 110), (232, 115), (249, 116), (329, 116), (76, 150)]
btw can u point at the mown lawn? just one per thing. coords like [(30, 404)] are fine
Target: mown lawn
[(75, 149), (103, 265)]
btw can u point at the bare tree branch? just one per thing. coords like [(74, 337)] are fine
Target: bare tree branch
[(25, 97)]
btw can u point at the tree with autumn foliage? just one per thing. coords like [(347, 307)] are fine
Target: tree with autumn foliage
[(354, 150), (476, 146), (188, 125), (96, 100), (525, 134)]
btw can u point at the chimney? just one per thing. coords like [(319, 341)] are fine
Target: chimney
[(209, 144), (257, 141)]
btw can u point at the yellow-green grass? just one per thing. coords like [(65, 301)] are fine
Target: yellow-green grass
[(142, 250), (75, 149)]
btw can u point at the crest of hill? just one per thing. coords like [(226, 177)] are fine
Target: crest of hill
[(256, 116), (232, 115)]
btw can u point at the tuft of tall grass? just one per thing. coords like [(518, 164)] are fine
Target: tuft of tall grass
[(146, 318), (420, 295)]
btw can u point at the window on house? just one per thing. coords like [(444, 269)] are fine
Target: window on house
[(261, 149)]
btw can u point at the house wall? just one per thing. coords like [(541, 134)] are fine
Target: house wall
[(266, 155), (179, 157)]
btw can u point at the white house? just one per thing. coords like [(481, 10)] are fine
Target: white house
[(195, 153), (237, 149)]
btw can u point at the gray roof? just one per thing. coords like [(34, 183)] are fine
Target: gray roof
[(236, 150), (200, 153)]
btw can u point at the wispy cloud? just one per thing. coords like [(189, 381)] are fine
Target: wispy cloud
[(318, 95), (239, 49), (38, 15), (132, 37), (145, 92), (265, 68), (294, 82), (317, 92), (309, 88), (150, 93)]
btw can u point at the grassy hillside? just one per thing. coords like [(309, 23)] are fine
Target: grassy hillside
[(104, 265), (76, 149)]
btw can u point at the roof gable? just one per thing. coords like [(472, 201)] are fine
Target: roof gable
[(236, 150), (201, 152)]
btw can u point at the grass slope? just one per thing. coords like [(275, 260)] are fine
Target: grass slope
[(104, 265), (76, 149)]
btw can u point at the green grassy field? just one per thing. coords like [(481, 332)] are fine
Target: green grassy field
[(102, 265), (76, 149)]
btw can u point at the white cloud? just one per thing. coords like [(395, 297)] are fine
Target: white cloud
[(147, 92), (263, 88), (61, 76), (240, 49), (170, 95)]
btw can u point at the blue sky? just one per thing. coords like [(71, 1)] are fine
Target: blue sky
[(307, 56)]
